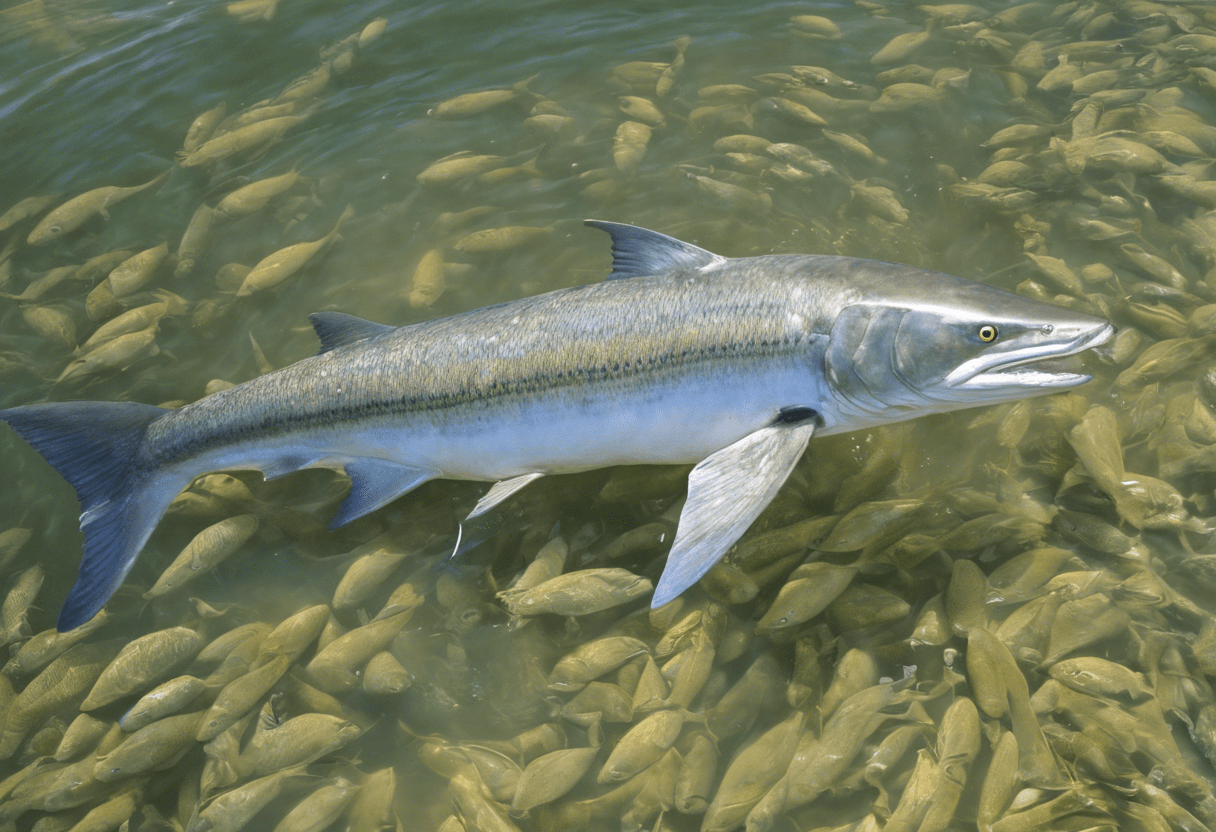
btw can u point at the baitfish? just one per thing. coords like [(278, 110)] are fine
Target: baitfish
[(680, 356)]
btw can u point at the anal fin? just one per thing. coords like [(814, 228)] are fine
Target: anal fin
[(499, 492), (727, 491), (375, 483)]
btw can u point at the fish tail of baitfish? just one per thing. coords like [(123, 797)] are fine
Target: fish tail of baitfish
[(94, 446)]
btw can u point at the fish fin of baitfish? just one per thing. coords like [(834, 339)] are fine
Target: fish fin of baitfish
[(499, 492), (640, 251), (726, 492), (337, 329), (94, 446), (375, 483)]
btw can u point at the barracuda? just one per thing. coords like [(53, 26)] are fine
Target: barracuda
[(681, 356)]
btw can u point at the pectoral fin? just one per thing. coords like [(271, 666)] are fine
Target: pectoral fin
[(375, 483), (726, 493), (499, 492)]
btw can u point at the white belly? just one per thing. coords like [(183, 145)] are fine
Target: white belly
[(679, 422)]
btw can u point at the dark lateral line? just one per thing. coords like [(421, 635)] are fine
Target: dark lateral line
[(498, 390)]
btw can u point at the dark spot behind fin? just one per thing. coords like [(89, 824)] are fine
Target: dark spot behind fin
[(795, 414), (337, 329), (639, 251)]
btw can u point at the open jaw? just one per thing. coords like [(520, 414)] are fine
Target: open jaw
[(1033, 367)]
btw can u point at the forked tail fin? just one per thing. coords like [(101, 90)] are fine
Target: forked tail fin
[(95, 447)]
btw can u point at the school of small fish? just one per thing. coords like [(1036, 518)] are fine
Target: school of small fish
[(1016, 636)]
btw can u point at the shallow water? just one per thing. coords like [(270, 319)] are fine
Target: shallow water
[(114, 110), (102, 94)]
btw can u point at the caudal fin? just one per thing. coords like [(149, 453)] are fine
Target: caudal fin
[(95, 447)]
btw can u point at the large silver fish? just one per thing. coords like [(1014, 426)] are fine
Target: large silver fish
[(680, 356)]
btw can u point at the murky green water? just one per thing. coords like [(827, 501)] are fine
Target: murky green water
[(102, 94)]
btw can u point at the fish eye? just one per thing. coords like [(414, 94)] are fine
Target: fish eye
[(987, 333)]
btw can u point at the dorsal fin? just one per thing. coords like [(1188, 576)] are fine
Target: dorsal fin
[(639, 251), (337, 329)]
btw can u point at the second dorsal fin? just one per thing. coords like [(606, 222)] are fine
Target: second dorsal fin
[(337, 329), (639, 251)]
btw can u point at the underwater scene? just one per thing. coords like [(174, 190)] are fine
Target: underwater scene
[(999, 618)]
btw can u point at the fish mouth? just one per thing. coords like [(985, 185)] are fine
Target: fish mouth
[(1036, 367)]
